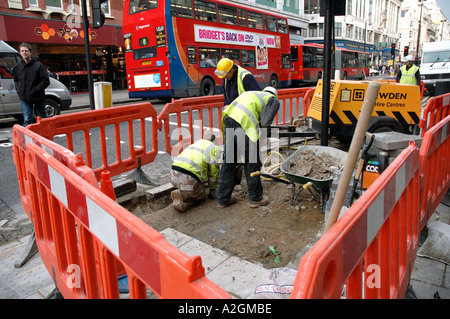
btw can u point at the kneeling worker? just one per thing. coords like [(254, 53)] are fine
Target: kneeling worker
[(241, 123), (197, 165)]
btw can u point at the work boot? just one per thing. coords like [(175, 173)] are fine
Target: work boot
[(263, 202), (177, 202), (231, 201)]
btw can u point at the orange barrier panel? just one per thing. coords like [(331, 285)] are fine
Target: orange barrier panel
[(437, 109), (372, 247), (83, 237), (434, 155), (82, 124), (292, 102), (21, 137), (194, 131)]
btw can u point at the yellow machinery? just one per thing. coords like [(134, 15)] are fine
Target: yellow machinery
[(397, 107)]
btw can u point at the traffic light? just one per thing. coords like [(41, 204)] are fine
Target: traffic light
[(392, 50), (98, 16), (406, 50)]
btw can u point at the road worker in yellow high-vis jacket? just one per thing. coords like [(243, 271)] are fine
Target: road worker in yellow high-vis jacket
[(236, 80), (241, 123), (409, 73), (194, 170)]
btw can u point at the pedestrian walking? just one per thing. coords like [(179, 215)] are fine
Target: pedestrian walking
[(31, 79)]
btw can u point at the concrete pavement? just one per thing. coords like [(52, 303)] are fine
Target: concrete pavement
[(430, 277)]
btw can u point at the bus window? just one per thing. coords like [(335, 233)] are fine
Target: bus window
[(270, 23), (248, 58), (205, 11), (227, 15), (242, 18), (294, 53), (282, 25), (232, 54), (145, 53), (142, 5), (181, 8), (255, 20), (208, 57), (192, 56), (286, 61)]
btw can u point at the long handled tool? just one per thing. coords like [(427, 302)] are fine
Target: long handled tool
[(355, 146), (362, 160)]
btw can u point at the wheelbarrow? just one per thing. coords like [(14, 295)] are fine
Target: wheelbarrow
[(319, 188)]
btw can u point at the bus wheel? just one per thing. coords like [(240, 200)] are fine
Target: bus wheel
[(344, 76), (207, 87), (274, 81)]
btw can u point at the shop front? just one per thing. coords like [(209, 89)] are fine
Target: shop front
[(60, 46)]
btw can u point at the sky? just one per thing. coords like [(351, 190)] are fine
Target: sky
[(445, 7)]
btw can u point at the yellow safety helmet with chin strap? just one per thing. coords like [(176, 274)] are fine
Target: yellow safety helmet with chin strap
[(223, 67)]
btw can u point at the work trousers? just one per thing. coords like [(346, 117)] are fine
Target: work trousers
[(238, 149)]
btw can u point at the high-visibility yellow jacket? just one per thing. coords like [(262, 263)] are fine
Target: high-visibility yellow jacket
[(246, 110), (409, 76), (201, 159), (240, 78)]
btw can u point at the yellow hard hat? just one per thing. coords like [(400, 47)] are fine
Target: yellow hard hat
[(223, 67)]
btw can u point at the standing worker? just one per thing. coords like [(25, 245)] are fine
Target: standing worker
[(249, 112), (31, 79), (236, 81), (409, 72), (196, 165)]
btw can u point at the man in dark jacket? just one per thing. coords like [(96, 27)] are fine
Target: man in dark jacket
[(31, 79)]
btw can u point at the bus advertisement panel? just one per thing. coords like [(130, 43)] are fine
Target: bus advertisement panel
[(172, 46), (307, 63)]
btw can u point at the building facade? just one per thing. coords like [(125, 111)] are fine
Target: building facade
[(54, 28), (421, 21)]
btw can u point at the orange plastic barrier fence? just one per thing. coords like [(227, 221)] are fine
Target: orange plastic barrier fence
[(194, 131), (23, 136), (434, 155), (83, 124), (86, 240), (292, 101), (437, 109), (372, 247)]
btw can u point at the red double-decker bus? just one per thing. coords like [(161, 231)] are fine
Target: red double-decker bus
[(307, 63), (172, 46)]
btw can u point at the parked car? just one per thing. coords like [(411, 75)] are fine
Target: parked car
[(57, 96), (373, 72)]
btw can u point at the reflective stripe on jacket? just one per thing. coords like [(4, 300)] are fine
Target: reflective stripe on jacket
[(201, 159), (409, 76), (241, 73), (245, 110)]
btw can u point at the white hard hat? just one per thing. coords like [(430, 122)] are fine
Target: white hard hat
[(272, 90), (409, 57)]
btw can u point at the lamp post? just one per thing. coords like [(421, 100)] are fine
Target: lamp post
[(418, 33)]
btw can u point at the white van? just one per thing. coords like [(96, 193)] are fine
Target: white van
[(435, 64), (57, 96)]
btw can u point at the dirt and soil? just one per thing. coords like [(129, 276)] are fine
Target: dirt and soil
[(243, 231)]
